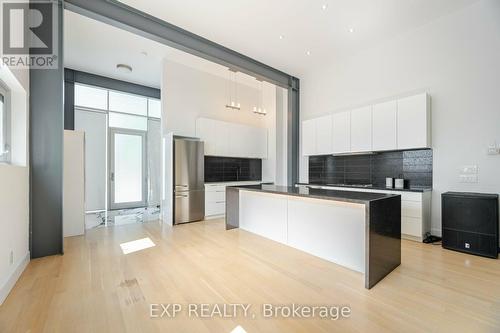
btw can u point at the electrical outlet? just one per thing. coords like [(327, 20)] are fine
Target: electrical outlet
[(467, 245), (11, 259), (469, 170), (472, 179), (494, 150)]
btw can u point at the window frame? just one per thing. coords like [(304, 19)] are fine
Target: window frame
[(108, 109), (5, 132)]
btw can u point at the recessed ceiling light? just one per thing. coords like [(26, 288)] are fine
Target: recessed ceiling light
[(324, 7), (124, 68), (308, 53), (351, 30), (281, 37)]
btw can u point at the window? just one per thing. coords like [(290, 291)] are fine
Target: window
[(120, 120), (154, 108), (90, 97), (127, 103), (4, 126)]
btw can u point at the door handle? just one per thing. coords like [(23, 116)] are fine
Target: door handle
[(181, 196), (112, 177)]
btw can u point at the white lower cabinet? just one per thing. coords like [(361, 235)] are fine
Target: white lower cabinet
[(415, 211), (215, 198)]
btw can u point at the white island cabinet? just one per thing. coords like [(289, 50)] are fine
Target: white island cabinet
[(360, 231)]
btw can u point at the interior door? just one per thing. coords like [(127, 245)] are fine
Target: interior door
[(127, 168)]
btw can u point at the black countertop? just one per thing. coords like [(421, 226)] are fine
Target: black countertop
[(334, 195), (418, 189)]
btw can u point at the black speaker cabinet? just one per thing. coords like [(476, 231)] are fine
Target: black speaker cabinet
[(470, 223)]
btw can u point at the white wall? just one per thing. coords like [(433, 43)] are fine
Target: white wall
[(14, 190), (456, 60), (188, 94), (74, 183)]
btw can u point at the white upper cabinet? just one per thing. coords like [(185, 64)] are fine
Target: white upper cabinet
[(206, 131), (324, 135), (384, 126), (238, 145), (232, 140), (361, 129), (342, 132), (261, 139), (413, 122), (393, 125), (309, 137)]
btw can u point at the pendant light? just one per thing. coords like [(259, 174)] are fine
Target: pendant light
[(232, 86), (260, 109)]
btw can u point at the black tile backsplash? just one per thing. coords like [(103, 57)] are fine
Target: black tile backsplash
[(227, 169), (413, 165)]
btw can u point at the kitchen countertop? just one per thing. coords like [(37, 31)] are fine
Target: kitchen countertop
[(236, 183), (419, 189), (345, 196)]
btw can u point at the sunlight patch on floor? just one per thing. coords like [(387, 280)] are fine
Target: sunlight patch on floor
[(137, 245)]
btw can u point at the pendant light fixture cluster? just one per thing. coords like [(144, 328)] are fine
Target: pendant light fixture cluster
[(233, 102), (232, 89), (260, 109)]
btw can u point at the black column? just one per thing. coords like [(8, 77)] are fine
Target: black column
[(46, 155), (69, 99)]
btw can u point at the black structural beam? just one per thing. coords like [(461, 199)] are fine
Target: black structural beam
[(112, 84), (293, 128), (130, 19), (46, 155), (72, 76)]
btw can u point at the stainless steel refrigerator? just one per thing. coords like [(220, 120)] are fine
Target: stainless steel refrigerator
[(189, 181)]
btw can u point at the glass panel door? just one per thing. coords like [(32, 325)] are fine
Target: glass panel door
[(127, 168)]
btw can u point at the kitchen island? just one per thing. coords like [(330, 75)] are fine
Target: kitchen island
[(358, 230)]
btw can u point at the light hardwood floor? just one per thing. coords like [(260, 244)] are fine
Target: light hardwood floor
[(94, 287)]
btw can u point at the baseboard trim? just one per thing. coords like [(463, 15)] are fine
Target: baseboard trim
[(214, 217), (11, 281), (436, 232)]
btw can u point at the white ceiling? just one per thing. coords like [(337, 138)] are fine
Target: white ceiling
[(251, 27), (97, 48)]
